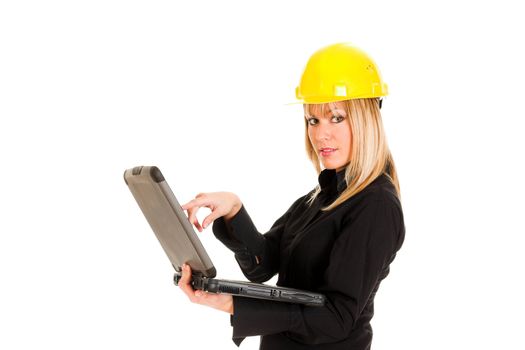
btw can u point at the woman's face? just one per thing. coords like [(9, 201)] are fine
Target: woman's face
[(330, 134)]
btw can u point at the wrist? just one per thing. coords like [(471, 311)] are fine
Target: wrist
[(236, 207)]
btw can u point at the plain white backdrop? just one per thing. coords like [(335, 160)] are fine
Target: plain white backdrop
[(200, 89)]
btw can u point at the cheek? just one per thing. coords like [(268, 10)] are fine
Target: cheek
[(345, 137)]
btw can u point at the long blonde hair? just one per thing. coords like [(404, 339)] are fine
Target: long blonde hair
[(370, 156)]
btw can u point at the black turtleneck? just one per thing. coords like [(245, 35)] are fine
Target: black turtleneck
[(343, 253)]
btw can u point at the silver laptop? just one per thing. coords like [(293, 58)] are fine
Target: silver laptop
[(182, 245)]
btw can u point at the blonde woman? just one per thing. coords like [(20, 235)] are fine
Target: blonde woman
[(340, 238)]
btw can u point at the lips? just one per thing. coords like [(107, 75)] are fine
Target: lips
[(326, 151)]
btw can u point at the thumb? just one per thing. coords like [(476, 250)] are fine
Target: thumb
[(209, 219)]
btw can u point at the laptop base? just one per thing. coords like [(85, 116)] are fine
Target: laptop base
[(253, 290)]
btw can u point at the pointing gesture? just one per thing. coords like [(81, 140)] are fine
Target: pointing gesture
[(225, 204)]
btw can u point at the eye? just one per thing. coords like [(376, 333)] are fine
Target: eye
[(311, 121), (338, 118)]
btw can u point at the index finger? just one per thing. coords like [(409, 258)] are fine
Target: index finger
[(187, 205), (197, 202), (191, 204)]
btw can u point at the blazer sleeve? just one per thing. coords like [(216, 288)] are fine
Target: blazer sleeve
[(257, 254), (357, 262)]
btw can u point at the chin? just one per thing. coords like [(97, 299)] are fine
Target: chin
[(331, 165), (334, 166)]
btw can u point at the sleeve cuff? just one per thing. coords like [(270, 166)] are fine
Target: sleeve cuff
[(223, 234), (259, 317), (243, 229)]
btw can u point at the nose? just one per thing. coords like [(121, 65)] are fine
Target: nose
[(322, 132)]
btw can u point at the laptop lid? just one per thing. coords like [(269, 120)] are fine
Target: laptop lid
[(174, 232)]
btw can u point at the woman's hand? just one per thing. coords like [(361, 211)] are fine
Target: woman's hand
[(225, 204), (223, 302)]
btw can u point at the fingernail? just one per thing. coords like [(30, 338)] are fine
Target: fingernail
[(205, 225), (198, 293)]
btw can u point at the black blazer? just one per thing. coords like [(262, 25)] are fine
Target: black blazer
[(343, 254)]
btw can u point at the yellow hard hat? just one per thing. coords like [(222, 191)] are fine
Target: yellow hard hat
[(340, 72)]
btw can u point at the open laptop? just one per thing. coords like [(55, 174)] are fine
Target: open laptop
[(182, 245)]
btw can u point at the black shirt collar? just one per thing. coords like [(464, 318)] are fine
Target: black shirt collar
[(332, 182)]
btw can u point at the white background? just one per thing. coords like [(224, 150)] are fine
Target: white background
[(91, 88)]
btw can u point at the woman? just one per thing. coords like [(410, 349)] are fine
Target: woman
[(340, 238)]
